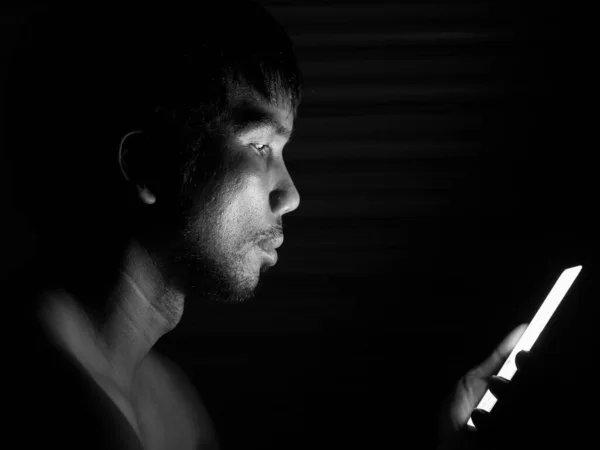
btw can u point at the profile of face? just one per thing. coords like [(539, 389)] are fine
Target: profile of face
[(233, 224)]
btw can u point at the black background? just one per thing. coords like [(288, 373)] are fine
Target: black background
[(444, 154)]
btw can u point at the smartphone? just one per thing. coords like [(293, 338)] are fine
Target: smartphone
[(533, 331)]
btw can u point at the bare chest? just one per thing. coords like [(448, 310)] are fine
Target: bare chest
[(164, 419), (169, 413), (165, 412)]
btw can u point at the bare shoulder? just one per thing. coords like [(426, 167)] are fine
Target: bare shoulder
[(179, 400)]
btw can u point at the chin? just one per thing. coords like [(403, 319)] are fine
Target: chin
[(224, 288), (207, 280)]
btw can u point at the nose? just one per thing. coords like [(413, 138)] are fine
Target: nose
[(285, 197)]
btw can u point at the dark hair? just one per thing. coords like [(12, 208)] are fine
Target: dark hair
[(83, 76)]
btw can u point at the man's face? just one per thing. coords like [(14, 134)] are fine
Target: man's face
[(234, 224)]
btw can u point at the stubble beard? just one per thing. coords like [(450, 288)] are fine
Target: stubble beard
[(208, 280), (205, 274), (204, 270)]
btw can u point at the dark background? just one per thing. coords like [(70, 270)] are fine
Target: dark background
[(444, 154)]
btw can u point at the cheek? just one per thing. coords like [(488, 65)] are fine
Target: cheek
[(244, 210)]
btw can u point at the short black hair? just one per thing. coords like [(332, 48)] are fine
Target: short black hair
[(84, 75)]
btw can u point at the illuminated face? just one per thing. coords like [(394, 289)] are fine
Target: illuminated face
[(235, 222)]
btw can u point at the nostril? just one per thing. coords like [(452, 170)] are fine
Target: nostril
[(275, 199)]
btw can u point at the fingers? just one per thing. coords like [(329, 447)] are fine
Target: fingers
[(522, 359), (493, 363), (481, 419), (473, 385), (498, 386)]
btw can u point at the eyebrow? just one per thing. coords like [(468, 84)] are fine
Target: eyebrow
[(248, 119)]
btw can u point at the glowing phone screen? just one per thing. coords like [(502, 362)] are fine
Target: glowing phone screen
[(534, 329)]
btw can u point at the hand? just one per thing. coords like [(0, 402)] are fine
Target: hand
[(502, 390), (468, 392)]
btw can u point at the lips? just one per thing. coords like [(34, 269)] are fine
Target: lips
[(271, 243), (269, 246), (277, 242)]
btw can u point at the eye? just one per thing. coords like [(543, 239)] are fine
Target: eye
[(261, 148)]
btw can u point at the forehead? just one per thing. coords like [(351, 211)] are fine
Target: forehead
[(247, 102)]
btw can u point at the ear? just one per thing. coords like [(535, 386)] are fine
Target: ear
[(130, 152)]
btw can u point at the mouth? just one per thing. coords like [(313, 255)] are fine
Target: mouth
[(277, 242), (271, 254), (268, 247)]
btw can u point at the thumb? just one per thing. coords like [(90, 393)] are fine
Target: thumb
[(492, 363)]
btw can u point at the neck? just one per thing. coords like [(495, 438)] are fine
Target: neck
[(139, 310)]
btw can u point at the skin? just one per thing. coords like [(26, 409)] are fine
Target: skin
[(226, 241), (469, 390)]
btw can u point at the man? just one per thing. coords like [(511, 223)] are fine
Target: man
[(152, 146)]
